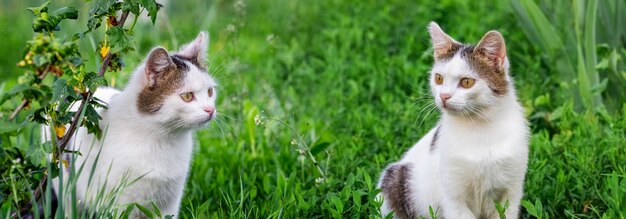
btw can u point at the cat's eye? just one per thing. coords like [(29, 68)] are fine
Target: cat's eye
[(187, 96), (210, 92), (467, 82), (438, 79)]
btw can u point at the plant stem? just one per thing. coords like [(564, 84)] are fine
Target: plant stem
[(135, 20), (105, 64), (25, 101)]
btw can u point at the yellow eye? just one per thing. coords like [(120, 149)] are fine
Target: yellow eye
[(210, 92), (188, 96), (467, 82), (438, 79)]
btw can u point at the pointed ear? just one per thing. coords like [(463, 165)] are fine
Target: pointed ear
[(491, 47), (158, 62), (443, 45), (197, 49)]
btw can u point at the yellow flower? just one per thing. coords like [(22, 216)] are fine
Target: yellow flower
[(65, 163), (104, 51), (60, 131)]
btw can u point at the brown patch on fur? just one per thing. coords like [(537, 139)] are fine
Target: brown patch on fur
[(396, 191), (433, 144), (166, 82), (446, 53), (487, 68), (191, 60)]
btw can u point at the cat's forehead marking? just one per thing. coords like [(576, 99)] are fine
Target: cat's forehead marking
[(495, 76), (476, 61), (151, 98), (190, 60), (455, 67)]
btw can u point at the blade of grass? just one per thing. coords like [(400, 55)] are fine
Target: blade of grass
[(590, 51)]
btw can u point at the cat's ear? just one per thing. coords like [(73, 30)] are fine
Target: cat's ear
[(443, 45), (197, 49), (492, 48), (158, 62)]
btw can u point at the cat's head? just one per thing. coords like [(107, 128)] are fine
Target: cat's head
[(468, 79), (175, 90)]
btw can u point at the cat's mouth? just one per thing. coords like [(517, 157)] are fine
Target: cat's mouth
[(205, 120), (461, 110)]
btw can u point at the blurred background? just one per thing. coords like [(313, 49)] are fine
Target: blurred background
[(347, 82)]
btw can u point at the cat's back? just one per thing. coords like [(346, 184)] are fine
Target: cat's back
[(106, 94)]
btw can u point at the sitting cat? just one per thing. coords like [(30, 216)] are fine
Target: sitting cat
[(147, 131), (476, 156)]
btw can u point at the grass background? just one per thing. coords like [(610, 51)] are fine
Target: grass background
[(347, 81)]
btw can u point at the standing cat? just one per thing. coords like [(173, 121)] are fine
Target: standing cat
[(148, 131), (478, 152)]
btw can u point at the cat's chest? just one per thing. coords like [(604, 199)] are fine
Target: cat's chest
[(168, 158), (490, 158)]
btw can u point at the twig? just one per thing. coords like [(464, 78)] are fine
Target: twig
[(19, 108), (25, 101)]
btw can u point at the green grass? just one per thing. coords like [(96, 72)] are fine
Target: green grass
[(347, 81)]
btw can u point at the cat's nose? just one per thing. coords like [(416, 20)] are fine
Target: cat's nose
[(444, 98), (209, 110)]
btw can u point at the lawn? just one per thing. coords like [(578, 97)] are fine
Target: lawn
[(316, 98)]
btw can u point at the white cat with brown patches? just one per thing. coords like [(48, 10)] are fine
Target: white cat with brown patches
[(149, 130), (477, 154)]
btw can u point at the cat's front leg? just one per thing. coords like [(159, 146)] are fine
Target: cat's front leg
[(514, 198), (456, 209)]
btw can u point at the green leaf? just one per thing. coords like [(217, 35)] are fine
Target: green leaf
[(17, 89), (39, 116), (530, 208), (599, 88), (65, 13), (40, 60), (50, 22), (92, 121), (356, 197), (337, 203), (102, 8), (155, 209), (121, 40), (152, 8), (366, 179), (61, 90), (319, 147), (95, 82), (37, 155), (132, 6), (8, 128), (38, 10), (253, 192), (76, 60), (92, 23), (144, 210), (129, 209)]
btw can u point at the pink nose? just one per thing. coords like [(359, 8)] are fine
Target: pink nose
[(444, 98), (209, 110)]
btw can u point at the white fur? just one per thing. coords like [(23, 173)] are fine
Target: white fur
[(156, 149), (481, 150)]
